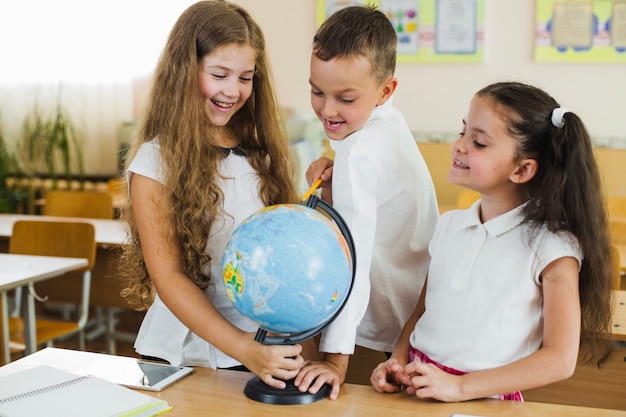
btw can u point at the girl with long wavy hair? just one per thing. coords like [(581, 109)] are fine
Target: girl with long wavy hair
[(209, 151)]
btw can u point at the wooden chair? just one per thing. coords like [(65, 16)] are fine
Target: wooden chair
[(118, 190), (618, 239), (68, 239), (65, 203), (616, 206), (618, 231), (617, 268), (90, 204), (83, 204)]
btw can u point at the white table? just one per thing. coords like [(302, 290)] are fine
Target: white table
[(23, 271), (108, 232)]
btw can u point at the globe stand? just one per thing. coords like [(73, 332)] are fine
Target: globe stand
[(258, 390)]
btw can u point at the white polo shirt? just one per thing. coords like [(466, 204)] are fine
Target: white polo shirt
[(383, 190), (161, 334), (484, 304)]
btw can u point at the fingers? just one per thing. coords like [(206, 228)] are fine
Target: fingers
[(378, 379), (327, 174), (334, 393), (383, 385), (275, 364), (428, 381), (273, 382), (325, 379), (313, 376), (415, 367), (386, 376), (321, 168), (307, 376), (288, 359), (421, 387)]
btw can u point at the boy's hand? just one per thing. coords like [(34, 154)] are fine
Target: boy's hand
[(389, 376), (315, 374), (322, 168)]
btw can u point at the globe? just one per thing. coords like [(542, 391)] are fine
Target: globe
[(289, 268)]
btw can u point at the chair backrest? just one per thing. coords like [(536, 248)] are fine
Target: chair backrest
[(64, 239), (51, 238), (91, 204), (616, 205), (116, 185), (617, 269), (618, 232)]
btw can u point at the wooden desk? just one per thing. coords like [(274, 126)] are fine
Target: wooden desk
[(24, 270), (220, 393), (590, 386)]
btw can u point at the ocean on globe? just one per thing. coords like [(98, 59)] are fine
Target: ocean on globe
[(288, 268)]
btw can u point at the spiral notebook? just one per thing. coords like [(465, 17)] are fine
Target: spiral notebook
[(51, 392)]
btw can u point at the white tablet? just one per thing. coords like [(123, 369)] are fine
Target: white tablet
[(123, 370), (153, 376)]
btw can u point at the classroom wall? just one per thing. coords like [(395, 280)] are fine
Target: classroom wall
[(434, 97)]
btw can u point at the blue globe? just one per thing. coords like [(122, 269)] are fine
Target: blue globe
[(288, 268)]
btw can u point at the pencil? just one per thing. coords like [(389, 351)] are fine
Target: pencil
[(313, 187)]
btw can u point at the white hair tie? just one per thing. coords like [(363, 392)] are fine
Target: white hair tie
[(557, 116)]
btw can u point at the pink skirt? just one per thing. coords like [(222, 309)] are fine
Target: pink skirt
[(415, 354)]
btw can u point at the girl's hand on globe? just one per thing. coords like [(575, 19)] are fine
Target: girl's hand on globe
[(389, 377), (273, 364)]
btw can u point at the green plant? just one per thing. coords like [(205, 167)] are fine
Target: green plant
[(12, 195), (50, 141)]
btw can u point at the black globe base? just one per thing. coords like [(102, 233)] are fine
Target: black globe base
[(258, 390)]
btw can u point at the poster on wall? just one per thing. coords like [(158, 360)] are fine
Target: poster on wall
[(429, 31), (580, 31)]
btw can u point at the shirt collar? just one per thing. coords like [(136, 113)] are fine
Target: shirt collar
[(379, 112), (497, 226)]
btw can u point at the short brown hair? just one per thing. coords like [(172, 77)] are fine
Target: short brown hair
[(359, 31)]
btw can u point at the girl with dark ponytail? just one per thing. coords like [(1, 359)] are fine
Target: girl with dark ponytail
[(519, 285)]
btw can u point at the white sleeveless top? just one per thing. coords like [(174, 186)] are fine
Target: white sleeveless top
[(161, 334)]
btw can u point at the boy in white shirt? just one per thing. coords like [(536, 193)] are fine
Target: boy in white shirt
[(381, 186)]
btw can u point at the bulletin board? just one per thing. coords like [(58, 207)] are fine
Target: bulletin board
[(580, 31), (429, 31)]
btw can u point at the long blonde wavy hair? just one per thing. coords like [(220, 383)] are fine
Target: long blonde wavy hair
[(175, 113)]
